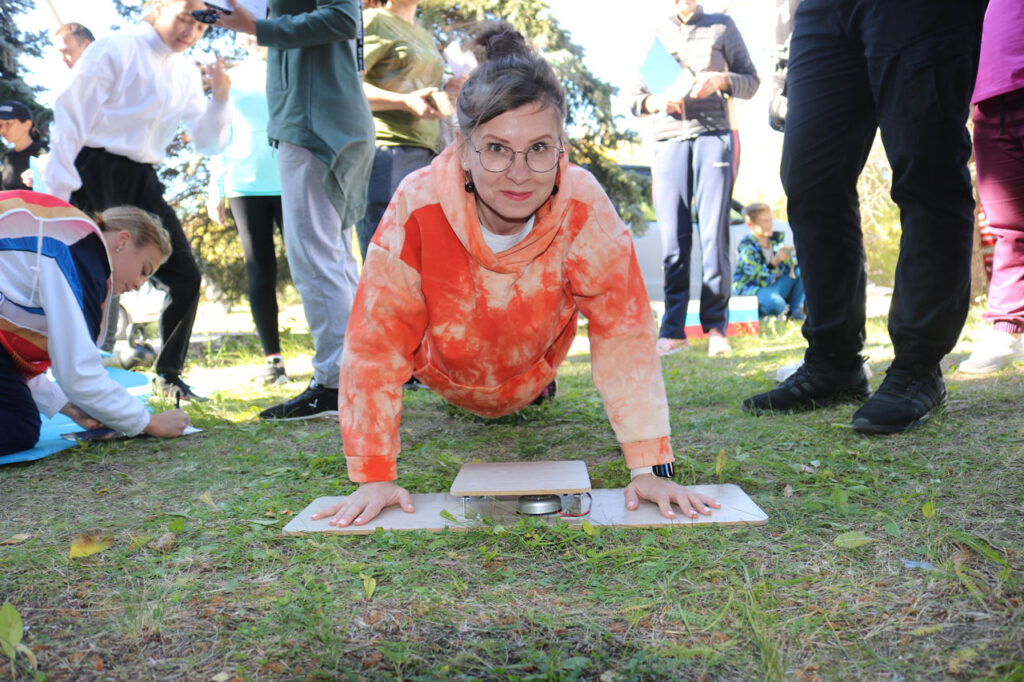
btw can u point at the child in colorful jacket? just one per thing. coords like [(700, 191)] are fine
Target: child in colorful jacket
[(474, 281), (58, 270), (767, 268)]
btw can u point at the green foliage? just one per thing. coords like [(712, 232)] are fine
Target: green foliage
[(15, 44), (10, 637), (880, 217)]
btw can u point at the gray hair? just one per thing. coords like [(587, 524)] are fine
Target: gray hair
[(511, 76)]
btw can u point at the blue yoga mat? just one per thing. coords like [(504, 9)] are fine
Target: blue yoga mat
[(50, 440)]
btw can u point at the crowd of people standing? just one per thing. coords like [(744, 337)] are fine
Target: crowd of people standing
[(478, 256)]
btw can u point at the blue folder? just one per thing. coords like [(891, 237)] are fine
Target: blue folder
[(662, 72)]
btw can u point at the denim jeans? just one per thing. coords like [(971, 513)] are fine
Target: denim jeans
[(390, 166), (784, 292)]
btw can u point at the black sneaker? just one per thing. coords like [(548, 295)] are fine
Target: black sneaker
[(811, 386), (315, 401), (172, 386), (272, 372), (547, 394), (905, 400)]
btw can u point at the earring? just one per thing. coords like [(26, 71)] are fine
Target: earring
[(118, 249), (554, 190), (469, 186)]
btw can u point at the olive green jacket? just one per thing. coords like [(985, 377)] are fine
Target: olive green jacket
[(315, 94)]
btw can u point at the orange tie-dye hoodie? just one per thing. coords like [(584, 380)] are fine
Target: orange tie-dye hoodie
[(487, 332)]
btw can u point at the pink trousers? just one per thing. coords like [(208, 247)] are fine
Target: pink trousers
[(999, 154)]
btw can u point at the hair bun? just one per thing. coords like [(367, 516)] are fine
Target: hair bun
[(500, 39)]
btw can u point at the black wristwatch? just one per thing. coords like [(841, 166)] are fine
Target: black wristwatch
[(664, 470)]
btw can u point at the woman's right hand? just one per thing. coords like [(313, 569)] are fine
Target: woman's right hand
[(168, 424), (419, 103), (366, 502)]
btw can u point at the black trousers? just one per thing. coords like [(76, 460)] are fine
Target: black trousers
[(110, 180), (255, 217), (19, 416), (906, 68)]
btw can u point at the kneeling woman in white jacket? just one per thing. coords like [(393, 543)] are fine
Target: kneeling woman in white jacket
[(58, 270)]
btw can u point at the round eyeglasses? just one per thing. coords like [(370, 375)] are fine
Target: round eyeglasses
[(540, 158)]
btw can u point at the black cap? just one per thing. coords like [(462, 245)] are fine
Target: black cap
[(14, 109)]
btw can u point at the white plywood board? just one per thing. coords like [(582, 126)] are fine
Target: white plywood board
[(608, 509), (521, 478)]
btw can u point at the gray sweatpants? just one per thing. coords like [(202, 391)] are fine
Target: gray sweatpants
[(319, 256)]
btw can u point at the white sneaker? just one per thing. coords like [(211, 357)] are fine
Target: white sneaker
[(718, 345), (992, 352)]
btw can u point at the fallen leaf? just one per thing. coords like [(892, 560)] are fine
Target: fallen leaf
[(164, 543), (270, 513), (221, 677), (928, 509), (787, 491), (16, 539), (852, 539), (804, 469), (88, 544), (207, 499), (926, 630)]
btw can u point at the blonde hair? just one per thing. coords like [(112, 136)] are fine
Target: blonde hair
[(751, 211), (151, 7), (145, 228)]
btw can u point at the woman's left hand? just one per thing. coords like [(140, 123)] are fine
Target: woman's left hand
[(219, 80), (664, 493), (240, 19), (81, 418)]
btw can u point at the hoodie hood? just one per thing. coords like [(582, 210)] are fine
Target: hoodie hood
[(459, 207)]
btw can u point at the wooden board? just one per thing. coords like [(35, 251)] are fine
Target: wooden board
[(608, 509), (521, 478)]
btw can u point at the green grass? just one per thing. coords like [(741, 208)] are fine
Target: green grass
[(236, 598)]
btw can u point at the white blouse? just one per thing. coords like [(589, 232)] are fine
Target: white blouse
[(128, 94)]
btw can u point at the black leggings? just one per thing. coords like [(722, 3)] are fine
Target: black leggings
[(255, 218), (18, 412), (111, 180)]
